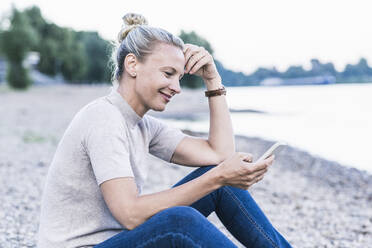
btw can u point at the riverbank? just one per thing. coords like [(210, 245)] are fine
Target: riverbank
[(311, 201)]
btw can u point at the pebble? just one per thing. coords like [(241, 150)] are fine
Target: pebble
[(312, 202)]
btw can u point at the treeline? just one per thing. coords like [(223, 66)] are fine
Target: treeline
[(80, 57), (83, 57), (77, 56), (358, 73)]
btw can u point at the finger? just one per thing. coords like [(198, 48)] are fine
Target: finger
[(189, 57), (246, 184), (261, 172), (258, 166), (259, 178), (188, 54), (189, 45), (270, 160), (193, 60), (267, 160), (247, 157), (203, 61), (258, 173), (254, 178), (191, 51), (251, 173), (185, 48)]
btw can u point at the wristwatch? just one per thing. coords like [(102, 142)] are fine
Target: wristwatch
[(218, 92)]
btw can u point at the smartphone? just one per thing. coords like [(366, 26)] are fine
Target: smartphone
[(274, 149)]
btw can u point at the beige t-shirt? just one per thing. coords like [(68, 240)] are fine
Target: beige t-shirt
[(106, 139)]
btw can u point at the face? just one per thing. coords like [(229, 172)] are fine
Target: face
[(158, 78)]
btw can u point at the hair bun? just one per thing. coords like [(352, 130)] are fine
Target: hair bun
[(131, 21), (134, 19)]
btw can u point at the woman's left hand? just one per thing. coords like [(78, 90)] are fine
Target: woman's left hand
[(200, 62)]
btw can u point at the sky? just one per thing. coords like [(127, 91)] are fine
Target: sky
[(244, 34)]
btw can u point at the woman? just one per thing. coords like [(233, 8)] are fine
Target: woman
[(93, 195)]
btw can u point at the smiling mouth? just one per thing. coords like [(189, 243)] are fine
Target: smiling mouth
[(165, 96)]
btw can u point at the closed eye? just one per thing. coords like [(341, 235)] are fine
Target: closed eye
[(171, 73)]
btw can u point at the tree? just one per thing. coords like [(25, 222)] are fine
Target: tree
[(16, 42), (49, 61), (263, 73), (192, 81), (231, 78), (358, 70), (78, 56), (36, 20), (59, 49), (98, 56), (73, 57), (295, 72), (319, 69)]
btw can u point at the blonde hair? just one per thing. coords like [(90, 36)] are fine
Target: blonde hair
[(137, 37)]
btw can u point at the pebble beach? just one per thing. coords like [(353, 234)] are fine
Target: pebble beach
[(311, 201)]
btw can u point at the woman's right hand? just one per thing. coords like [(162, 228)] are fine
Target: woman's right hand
[(236, 172)]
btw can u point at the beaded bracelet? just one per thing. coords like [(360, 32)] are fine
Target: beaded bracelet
[(218, 92)]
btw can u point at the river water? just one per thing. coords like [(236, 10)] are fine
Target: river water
[(332, 121)]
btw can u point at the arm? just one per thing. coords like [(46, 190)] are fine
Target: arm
[(131, 210), (196, 151), (221, 135), (220, 144)]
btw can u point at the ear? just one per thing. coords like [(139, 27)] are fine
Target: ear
[(130, 63)]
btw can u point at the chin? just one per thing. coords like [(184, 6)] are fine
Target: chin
[(158, 105), (159, 108)]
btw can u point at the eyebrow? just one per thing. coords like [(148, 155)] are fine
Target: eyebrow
[(173, 69)]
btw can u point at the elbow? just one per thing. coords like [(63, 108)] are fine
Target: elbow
[(225, 154), (130, 218), (130, 224)]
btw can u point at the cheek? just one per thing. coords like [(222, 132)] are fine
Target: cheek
[(157, 81), (147, 89), (148, 85)]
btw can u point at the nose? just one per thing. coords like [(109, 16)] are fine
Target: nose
[(175, 87)]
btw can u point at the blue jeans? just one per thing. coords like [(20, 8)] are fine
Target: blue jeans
[(187, 226)]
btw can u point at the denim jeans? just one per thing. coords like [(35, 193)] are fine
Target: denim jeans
[(187, 226)]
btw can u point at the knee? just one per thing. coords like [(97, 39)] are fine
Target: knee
[(181, 215)]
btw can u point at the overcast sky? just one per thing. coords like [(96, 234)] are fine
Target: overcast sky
[(245, 34)]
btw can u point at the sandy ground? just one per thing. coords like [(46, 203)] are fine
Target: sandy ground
[(312, 202)]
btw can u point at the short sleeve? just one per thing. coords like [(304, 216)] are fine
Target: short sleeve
[(107, 148), (164, 139)]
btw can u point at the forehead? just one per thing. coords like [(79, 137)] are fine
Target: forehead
[(167, 55)]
